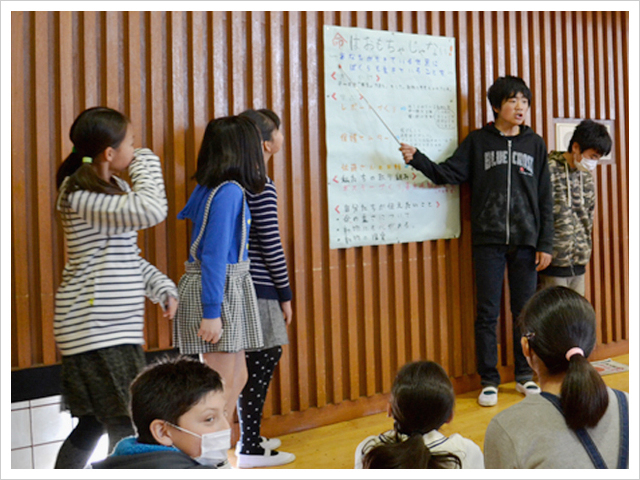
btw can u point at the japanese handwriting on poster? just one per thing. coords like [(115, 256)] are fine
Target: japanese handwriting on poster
[(410, 81)]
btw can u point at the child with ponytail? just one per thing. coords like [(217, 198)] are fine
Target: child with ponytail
[(422, 400), (577, 421), (99, 307)]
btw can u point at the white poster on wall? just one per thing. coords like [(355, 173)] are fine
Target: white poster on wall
[(382, 88)]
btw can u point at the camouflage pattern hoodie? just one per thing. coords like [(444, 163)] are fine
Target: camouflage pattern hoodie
[(574, 200)]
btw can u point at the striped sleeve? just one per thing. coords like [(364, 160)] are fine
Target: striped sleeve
[(158, 287), (145, 205), (268, 263)]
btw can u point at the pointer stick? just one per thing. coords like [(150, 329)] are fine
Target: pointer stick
[(365, 99)]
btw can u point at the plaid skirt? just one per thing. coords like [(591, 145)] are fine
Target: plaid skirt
[(240, 315)]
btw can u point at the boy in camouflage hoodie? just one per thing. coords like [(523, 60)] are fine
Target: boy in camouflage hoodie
[(574, 203)]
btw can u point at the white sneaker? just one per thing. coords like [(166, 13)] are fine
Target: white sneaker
[(270, 443), (527, 388), (488, 396), (266, 460)]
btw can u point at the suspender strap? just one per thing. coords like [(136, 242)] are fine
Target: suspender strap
[(196, 242), (623, 406), (582, 434)]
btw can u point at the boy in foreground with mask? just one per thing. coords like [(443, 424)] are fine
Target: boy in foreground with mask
[(177, 407), (574, 198)]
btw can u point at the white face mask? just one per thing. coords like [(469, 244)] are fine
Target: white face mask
[(213, 446), (586, 165)]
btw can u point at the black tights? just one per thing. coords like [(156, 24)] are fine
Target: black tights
[(79, 445), (260, 367)]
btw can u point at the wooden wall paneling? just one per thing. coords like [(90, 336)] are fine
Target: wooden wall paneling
[(534, 60), (153, 240), (237, 45), (621, 147), (616, 284), (294, 76), (316, 180), (605, 175), (568, 72), (559, 62), (221, 62), (43, 188), (20, 323), (287, 372), (427, 297), (579, 68)]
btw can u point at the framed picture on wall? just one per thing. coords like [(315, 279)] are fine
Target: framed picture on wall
[(564, 128)]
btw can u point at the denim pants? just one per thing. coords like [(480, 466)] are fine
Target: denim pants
[(490, 262)]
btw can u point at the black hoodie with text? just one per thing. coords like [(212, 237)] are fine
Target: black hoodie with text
[(511, 195)]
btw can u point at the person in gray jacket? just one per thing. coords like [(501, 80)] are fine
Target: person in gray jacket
[(574, 201), (576, 421)]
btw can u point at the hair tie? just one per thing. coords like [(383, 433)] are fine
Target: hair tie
[(87, 160), (573, 351)]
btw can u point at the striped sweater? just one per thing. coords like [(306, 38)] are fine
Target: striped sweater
[(100, 302), (268, 265)]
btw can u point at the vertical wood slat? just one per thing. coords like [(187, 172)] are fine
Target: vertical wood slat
[(359, 313)]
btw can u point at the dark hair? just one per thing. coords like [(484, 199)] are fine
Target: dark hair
[(92, 132), (231, 150), (168, 389), (266, 120), (589, 134), (505, 88), (422, 400), (555, 320)]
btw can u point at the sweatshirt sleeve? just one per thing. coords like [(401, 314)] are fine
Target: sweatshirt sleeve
[(217, 244), (142, 207), (545, 199), (499, 451), (453, 171)]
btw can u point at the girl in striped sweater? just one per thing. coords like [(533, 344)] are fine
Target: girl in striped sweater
[(99, 308), (270, 278)]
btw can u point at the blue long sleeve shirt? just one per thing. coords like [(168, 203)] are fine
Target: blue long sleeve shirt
[(221, 242)]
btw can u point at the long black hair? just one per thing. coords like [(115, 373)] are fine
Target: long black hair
[(422, 400), (556, 320), (231, 150), (266, 120), (91, 133)]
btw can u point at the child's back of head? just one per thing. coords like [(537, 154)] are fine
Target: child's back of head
[(422, 400)]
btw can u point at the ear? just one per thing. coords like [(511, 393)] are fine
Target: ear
[(161, 433), (267, 146), (109, 153), (575, 148), (525, 346)]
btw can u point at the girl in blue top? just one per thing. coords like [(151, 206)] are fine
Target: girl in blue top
[(229, 161)]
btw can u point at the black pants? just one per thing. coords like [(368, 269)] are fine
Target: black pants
[(260, 367), (490, 262)]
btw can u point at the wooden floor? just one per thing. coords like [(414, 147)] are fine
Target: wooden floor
[(333, 446)]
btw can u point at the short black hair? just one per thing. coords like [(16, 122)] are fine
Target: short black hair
[(505, 88), (231, 150), (167, 389), (589, 134)]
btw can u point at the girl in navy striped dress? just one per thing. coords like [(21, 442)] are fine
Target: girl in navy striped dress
[(99, 309), (271, 281)]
